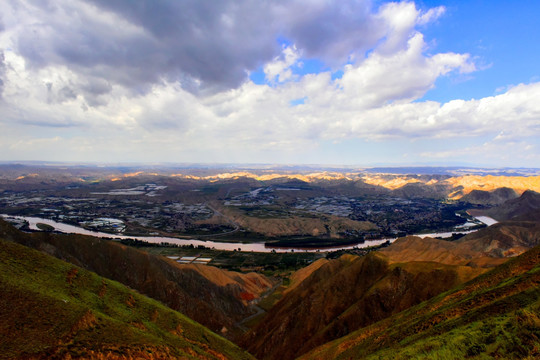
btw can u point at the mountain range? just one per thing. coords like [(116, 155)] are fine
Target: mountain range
[(487, 185)]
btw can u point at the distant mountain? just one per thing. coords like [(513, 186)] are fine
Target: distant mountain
[(467, 183), (526, 207), (487, 247), (495, 197), (209, 295), (492, 316), (420, 190), (433, 182), (453, 170), (51, 309)]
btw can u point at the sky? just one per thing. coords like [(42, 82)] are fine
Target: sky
[(359, 83)]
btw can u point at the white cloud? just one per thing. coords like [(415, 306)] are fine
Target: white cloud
[(279, 70), (402, 76), (400, 19), (431, 15), (121, 110)]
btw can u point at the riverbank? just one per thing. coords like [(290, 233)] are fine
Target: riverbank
[(255, 247)]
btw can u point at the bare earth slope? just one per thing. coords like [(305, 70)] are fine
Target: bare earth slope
[(208, 295), (300, 275), (493, 316), (487, 247), (293, 225), (50, 309), (352, 292), (343, 295), (526, 207)]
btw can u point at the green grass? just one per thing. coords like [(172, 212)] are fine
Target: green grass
[(44, 301), (508, 336), (268, 302)]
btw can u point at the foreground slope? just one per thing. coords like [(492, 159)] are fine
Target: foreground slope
[(496, 315), (343, 295), (206, 294), (52, 309)]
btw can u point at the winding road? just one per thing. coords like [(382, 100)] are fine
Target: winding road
[(228, 219)]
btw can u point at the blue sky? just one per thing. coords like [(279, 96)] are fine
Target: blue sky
[(308, 82), (499, 33)]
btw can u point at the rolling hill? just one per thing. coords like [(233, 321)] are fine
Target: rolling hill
[(526, 207), (487, 247), (495, 197), (294, 225), (209, 295), (51, 309)]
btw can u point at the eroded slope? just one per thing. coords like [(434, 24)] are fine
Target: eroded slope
[(343, 295), (493, 316)]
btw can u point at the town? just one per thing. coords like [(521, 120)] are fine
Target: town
[(224, 210)]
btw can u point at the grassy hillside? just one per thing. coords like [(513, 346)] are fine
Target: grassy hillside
[(52, 309), (496, 315), (211, 296)]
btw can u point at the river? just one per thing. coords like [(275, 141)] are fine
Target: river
[(256, 247)]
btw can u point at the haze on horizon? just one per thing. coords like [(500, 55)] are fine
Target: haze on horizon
[(303, 82)]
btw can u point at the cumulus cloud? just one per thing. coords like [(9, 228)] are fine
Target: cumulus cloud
[(404, 75), (200, 44), (279, 70), (206, 42), (168, 80), (431, 15), (2, 72), (330, 30)]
